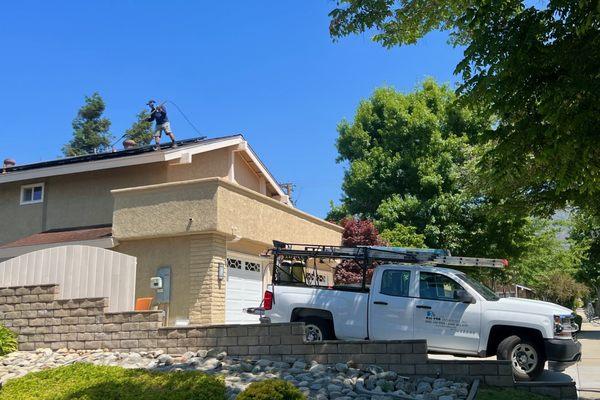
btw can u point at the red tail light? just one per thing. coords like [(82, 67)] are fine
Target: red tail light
[(268, 300)]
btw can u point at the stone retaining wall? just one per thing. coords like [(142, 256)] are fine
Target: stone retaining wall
[(42, 321)]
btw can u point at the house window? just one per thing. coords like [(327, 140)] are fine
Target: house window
[(31, 194), (234, 263), (250, 266)]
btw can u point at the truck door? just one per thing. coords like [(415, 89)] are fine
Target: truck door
[(391, 306), (439, 317)]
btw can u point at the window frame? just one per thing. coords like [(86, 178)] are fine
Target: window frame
[(393, 270), (32, 186), (438, 299)]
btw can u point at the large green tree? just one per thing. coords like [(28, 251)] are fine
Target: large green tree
[(409, 160), (532, 67), (141, 130), (586, 232), (90, 129)]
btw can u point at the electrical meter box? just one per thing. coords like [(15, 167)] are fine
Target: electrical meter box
[(163, 294), (156, 282)]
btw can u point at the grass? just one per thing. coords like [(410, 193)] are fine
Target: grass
[(8, 341), (489, 393), (93, 382)]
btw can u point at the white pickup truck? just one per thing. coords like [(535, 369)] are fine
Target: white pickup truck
[(455, 313)]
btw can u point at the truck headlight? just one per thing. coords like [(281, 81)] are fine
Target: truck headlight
[(564, 327)]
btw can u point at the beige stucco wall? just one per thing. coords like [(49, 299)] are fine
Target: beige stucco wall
[(244, 174), (84, 199), (196, 292), (17, 221), (219, 211), (168, 209), (263, 220), (214, 205), (164, 252)]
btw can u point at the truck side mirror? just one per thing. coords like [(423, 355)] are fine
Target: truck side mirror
[(463, 296)]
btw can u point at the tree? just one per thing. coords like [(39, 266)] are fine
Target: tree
[(403, 236), (141, 130), (408, 163), (586, 232), (560, 287), (544, 251), (90, 130), (356, 233), (533, 68)]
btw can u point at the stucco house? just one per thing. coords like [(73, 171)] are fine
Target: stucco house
[(201, 213)]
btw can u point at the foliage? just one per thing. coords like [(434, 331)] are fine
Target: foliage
[(141, 131), (93, 382), (410, 158), (8, 341), (403, 236), (559, 287), (90, 130), (356, 233), (544, 251), (532, 67), (496, 393), (271, 389), (586, 233), (359, 232)]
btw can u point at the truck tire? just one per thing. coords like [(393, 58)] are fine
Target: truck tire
[(317, 329), (525, 355)]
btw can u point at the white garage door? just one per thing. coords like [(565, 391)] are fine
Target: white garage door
[(244, 289)]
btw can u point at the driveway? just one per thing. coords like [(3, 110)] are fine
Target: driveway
[(585, 373)]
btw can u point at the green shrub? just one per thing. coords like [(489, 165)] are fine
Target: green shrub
[(93, 382), (271, 389), (8, 341)]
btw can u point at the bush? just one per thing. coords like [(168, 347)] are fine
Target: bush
[(8, 341), (271, 389), (93, 382)]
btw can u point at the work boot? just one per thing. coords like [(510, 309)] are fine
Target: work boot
[(173, 144)]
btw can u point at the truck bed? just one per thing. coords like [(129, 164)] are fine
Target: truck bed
[(347, 304)]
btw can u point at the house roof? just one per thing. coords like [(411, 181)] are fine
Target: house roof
[(62, 236), (136, 156)]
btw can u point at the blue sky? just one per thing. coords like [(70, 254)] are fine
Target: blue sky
[(266, 69)]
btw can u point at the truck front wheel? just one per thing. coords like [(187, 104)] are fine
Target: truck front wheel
[(317, 329), (525, 355)]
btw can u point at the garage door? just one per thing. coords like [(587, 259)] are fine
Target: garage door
[(244, 289)]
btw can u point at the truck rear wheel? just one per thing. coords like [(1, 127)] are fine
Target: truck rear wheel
[(317, 329), (525, 355)]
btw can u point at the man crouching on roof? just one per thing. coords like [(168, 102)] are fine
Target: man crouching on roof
[(159, 115)]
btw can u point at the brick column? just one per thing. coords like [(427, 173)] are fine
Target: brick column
[(207, 293)]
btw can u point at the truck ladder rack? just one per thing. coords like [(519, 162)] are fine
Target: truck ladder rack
[(370, 254)]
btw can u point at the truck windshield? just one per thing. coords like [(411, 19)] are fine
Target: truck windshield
[(483, 290)]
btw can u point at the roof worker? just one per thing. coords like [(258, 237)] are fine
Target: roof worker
[(159, 115)]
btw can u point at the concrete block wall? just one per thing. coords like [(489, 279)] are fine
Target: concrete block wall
[(42, 321)]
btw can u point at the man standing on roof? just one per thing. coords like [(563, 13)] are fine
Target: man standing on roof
[(159, 115)]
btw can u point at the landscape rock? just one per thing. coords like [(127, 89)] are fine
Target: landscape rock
[(317, 381)]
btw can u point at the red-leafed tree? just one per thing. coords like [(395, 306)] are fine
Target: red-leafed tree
[(357, 232)]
